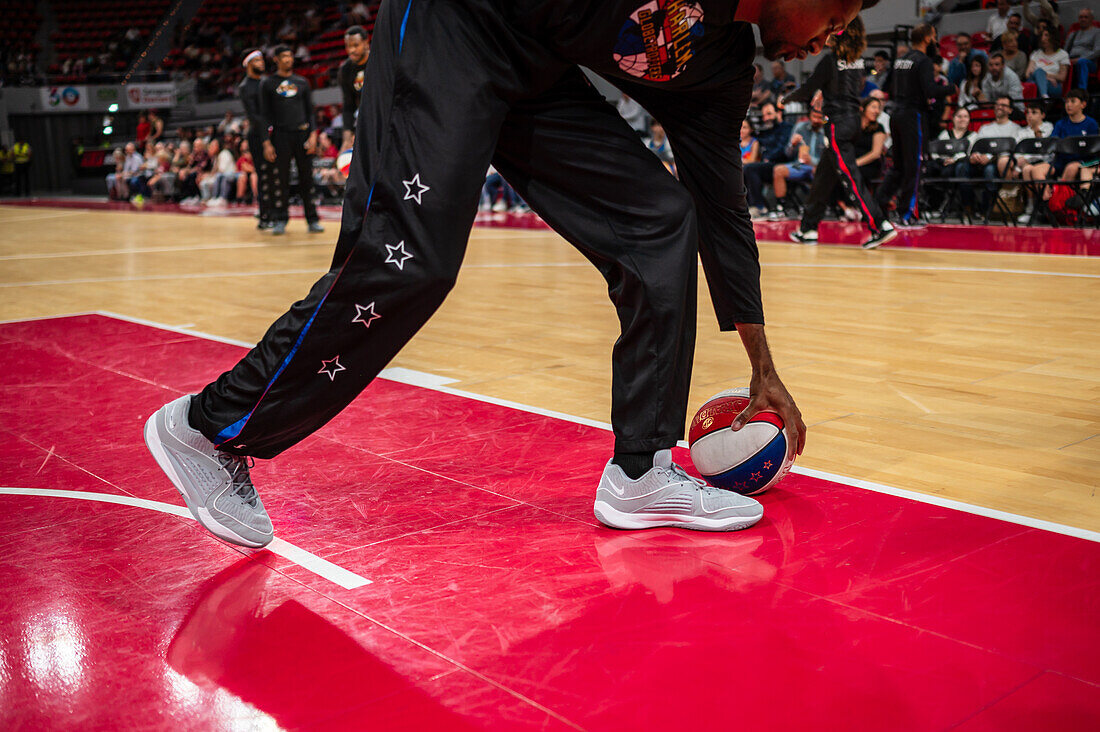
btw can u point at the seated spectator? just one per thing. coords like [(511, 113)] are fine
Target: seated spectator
[(870, 152), (143, 129), (1074, 124), (880, 74), (953, 166), (658, 144), (162, 183), (1001, 126), (198, 164), (1047, 14), (221, 179), (883, 117), (1049, 65), (127, 164), (998, 21), (497, 195), (750, 146), (773, 135), (761, 87), (1083, 47), (782, 82), (1003, 82), (248, 180), (1015, 55), (1022, 36), (1022, 166), (805, 148), (139, 183), (970, 92), (960, 65)]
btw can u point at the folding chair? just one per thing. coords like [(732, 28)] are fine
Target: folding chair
[(1029, 147), (1085, 148), (993, 147), (946, 149)]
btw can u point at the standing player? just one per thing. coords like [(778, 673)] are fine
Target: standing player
[(910, 122), (839, 77), (454, 86), (352, 73), (287, 106), (250, 92)]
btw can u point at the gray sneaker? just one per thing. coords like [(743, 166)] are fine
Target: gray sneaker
[(668, 496), (215, 485)]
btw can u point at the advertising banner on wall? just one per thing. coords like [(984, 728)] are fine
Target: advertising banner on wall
[(144, 96), (64, 98)]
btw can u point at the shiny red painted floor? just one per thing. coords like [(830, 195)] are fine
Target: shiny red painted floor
[(496, 602), (1012, 239)]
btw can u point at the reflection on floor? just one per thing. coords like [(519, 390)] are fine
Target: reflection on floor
[(496, 600)]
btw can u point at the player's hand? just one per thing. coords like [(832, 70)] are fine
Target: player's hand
[(767, 394), (269, 151), (796, 140)]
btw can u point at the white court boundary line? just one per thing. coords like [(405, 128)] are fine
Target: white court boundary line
[(438, 383), (321, 567)]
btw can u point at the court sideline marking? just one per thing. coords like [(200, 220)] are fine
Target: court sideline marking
[(439, 383)]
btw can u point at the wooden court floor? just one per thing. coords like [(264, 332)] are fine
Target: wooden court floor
[(969, 375)]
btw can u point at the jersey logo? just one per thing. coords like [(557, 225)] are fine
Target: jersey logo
[(655, 43), (842, 65), (287, 89), (358, 83), (903, 64)]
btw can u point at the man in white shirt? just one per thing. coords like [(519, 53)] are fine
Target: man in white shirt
[(998, 22), (1002, 81), (1001, 126)]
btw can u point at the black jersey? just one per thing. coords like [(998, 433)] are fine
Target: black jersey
[(249, 91), (840, 83), (350, 77), (914, 82), (286, 103), (671, 43)]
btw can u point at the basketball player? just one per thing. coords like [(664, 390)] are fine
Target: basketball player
[(910, 122), (454, 85), (287, 105), (839, 77), (351, 75), (249, 91)]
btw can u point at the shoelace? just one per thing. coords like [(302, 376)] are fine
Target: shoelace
[(679, 472), (237, 467)]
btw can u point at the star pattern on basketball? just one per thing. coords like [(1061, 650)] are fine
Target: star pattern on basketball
[(331, 367), (768, 465), (421, 189), (365, 310), (397, 254), (756, 476)]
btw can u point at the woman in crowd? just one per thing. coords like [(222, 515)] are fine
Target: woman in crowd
[(750, 146), (247, 178), (970, 93), (1049, 65), (952, 166)]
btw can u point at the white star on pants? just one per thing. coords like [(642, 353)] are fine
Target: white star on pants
[(421, 189), (394, 257), (330, 368), (367, 310)]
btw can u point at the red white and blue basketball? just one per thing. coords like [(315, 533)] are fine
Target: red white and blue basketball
[(749, 461), (343, 162)]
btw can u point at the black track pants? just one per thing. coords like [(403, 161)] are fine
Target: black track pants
[(838, 166), (265, 175), (446, 93), (907, 133), (290, 145)]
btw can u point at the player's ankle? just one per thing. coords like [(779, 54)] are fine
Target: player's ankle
[(634, 464)]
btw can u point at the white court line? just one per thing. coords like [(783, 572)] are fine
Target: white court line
[(163, 250), (35, 217), (151, 278), (286, 550), (431, 381)]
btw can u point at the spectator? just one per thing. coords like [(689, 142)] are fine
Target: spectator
[(144, 129), (970, 93), (156, 124), (1083, 48), (750, 146), (761, 87), (773, 135), (880, 74), (1024, 166), (1002, 81), (1024, 41), (998, 21), (162, 183), (1001, 126), (659, 145), (953, 166), (1047, 13), (495, 186), (7, 169), (884, 116), (781, 80), (198, 163), (22, 153), (247, 177), (960, 65), (871, 145), (1049, 65), (805, 149), (217, 183), (1066, 167), (1016, 58), (139, 183), (634, 115), (127, 164), (229, 125)]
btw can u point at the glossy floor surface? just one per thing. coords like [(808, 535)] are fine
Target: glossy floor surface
[(495, 600)]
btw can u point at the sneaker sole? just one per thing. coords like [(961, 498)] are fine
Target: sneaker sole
[(616, 519), (152, 441), (888, 238)]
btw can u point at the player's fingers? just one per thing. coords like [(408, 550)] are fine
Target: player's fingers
[(747, 413)]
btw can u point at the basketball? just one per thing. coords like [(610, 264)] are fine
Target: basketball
[(749, 461), (343, 162)]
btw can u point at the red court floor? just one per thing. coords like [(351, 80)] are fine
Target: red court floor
[(495, 600)]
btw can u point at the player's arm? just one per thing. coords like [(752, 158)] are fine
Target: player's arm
[(766, 390), (820, 78), (267, 111), (307, 101), (347, 91)]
